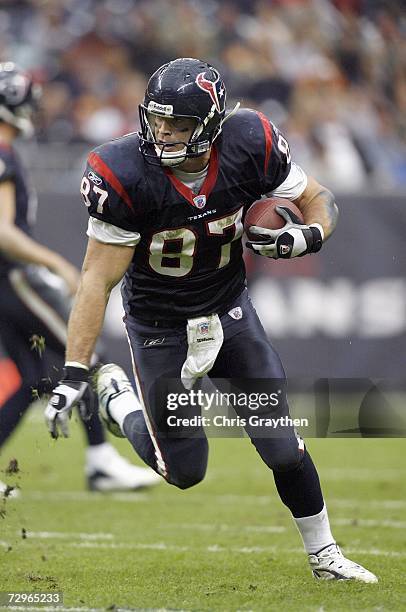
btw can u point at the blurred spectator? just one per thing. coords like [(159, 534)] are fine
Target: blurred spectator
[(331, 72)]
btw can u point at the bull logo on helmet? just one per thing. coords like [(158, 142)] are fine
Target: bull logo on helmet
[(210, 88)]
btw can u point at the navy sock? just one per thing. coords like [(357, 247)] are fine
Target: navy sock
[(94, 430)]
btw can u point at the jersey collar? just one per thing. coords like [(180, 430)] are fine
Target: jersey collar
[(208, 184)]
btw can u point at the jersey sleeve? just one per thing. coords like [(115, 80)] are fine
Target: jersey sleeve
[(111, 234), (105, 194), (7, 165), (276, 156), (293, 186)]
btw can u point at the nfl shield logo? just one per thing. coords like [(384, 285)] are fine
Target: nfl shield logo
[(199, 201), (236, 313), (203, 328)]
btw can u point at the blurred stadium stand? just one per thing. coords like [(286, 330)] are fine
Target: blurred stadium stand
[(330, 73)]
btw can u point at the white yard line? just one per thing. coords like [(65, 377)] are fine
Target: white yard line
[(131, 497), (84, 496), (350, 522), (65, 535), (215, 548), (265, 500), (126, 546), (90, 541), (202, 527), (226, 499), (363, 474), (224, 527), (162, 546), (386, 504), (334, 473)]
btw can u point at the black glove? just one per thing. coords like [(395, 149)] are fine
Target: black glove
[(73, 389), (292, 240)]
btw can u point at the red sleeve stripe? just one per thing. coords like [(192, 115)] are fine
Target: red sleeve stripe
[(268, 138), (102, 168)]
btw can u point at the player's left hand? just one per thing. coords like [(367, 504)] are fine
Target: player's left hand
[(73, 389), (292, 240)]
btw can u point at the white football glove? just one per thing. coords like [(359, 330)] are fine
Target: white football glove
[(73, 389), (292, 240)]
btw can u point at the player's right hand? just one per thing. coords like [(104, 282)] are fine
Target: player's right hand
[(73, 389), (294, 239)]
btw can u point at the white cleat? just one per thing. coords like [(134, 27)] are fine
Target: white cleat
[(106, 470), (330, 564), (8, 491), (112, 382)]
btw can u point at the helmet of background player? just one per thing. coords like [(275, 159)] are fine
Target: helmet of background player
[(183, 88), (19, 98)]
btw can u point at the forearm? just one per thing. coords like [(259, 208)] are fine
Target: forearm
[(86, 319), (103, 268), (323, 210), (317, 205), (16, 245)]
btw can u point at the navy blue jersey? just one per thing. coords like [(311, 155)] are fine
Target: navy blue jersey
[(11, 169), (189, 258)]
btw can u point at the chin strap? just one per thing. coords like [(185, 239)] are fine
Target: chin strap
[(171, 159)]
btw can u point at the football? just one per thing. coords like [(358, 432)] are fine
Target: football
[(263, 214)]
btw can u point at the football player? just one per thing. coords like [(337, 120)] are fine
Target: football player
[(166, 209), (35, 285)]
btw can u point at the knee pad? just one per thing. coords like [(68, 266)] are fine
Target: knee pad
[(279, 454), (187, 479), (287, 464), (186, 461)]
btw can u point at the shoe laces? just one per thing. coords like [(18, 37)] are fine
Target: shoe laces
[(335, 555)]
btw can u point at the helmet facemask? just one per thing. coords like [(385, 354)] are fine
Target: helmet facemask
[(162, 153)]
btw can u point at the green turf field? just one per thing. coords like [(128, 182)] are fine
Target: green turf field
[(227, 544)]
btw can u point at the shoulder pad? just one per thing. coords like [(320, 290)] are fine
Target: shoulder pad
[(245, 131), (257, 134), (109, 182)]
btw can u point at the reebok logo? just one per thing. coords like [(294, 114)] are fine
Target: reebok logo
[(94, 178), (154, 341), (284, 249)]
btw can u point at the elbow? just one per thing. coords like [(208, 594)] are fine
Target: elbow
[(335, 213), (332, 198), (336, 210), (331, 213), (330, 218), (96, 283)]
